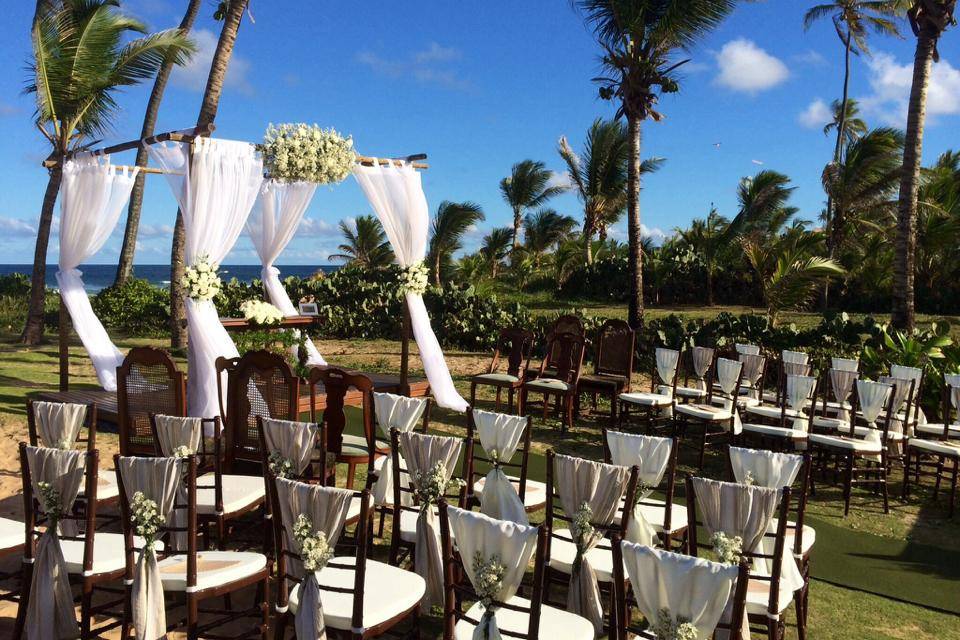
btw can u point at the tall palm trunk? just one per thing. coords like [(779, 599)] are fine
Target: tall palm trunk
[(125, 264), (903, 311), (832, 220), (710, 301), (208, 113), (635, 312), (33, 329), (436, 269), (517, 221), (588, 238)]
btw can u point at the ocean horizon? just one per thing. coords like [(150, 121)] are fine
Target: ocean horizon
[(100, 276)]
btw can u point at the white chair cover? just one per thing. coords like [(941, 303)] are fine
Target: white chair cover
[(667, 362), (952, 380), (752, 372), (512, 543), (690, 588), (272, 224), (799, 396), (500, 436), (177, 431), (728, 374), (422, 453), (845, 364), (915, 375), (702, 359), (215, 190), (400, 413), (50, 612), (748, 349), (92, 195), (293, 440), (651, 456), (873, 396), (601, 487), (396, 195), (327, 509), (58, 423), (794, 357), (157, 478), (735, 509), (841, 383)]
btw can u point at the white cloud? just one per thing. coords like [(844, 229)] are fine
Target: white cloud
[(153, 230), (746, 67), (560, 179), (436, 53), (194, 74), (16, 227), (891, 81), (815, 115), (427, 66), (312, 228), (811, 57)]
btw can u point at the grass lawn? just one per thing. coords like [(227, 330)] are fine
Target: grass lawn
[(853, 548)]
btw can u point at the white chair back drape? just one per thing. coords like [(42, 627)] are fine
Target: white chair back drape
[(752, 372), (747, 349), (396, 195), (58, 423), (915, 375), (952, 380), (845, 364), (500, 435), (511, 543), (651, 456), (92, 195), (272, 224), (216, 190), (702, 359), (401, 413), (766, 468), (292, 440), (794, 357), (177, 431), (728, 375), (841, 385), (667, 362), (799, 394)]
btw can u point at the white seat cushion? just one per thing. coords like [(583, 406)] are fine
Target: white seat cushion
[(824, 422), (214, 568), (496, 377), (354, 445), (12, 534), (563, 552), (547, 384), (758, 598), (534, 493), (809, 537), (861, 432), (849, 444), (935, 446), (655, 513), (775, 432), (770, 411), (936, 429), (108, 553), (555, 624), (388, 591), (239, 492), (647, 399), (704, 412), (691, 392)]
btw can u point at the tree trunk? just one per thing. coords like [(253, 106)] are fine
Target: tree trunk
[(587, 241), (903, 311), (710, 301), (33, 328), (635, 312), (837, 150), (208, 113), (125, 264), (436, 269), (517, 219)]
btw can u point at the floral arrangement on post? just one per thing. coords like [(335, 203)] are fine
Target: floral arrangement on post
[(315, 551), (183, 451), (280, 466), (748, 479), (669, 628), (261, 313), (433, 486), (146, 519), (201, 281), (50, 499), (582, 530), (729, 550), (414, 279), (488, 574), (306, 153)]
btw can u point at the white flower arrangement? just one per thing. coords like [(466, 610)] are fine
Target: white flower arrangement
[(280, 466), (669, 628), (50, 499), (488, 574), (642, 491), (315, 551), (146, 519), (201, 281), (183, 451), (581, 528), (414, 279), (729, 550), (432, 486), (302, 152), (64, 443), (261, 313), (748, 479)]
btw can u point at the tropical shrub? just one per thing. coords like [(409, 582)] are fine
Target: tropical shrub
[(135, 307)]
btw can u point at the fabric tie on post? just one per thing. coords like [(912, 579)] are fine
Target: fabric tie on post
[(667, 361), (728, 374), (92, 195), (58, 423), (500, 435), (651, 456), (401, 413)]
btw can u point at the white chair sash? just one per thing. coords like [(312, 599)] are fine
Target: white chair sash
[(422, 453), (915, 375), (873, 396), (900, 390), (794, 357), (747, 349), (767, 468), (752, 372), (735, 509), (327, 509), (177, 431), (651, 456), (702, 358), (500, 436), (845, 364), (728, 374), (841, 383), (401, 413), (799, 396), (601, 487), (511, 542), (295, 441), (58, 423), (952, 380), (50, 612), (667, 362)]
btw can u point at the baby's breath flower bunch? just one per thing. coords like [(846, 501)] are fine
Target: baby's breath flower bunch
[(50, 499), (643, 490), (748, 479), (582, 530), (315, 552), (306, 153), (183, 451), (414, 279), (669, 628), (729, 550), (146, 518), (260, 312), (280, 466), (488, 581), (433, 486), (64, 443), (201, 281)]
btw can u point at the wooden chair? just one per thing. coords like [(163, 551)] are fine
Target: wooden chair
[(515, 344), (147, 382), (716, 423), (191, 575), (11, 547), (655, 408), (696, 372), (562, 382), (612, 365), (785, 427), (563, 324), (353, 450), (937, 458), (259, 383)]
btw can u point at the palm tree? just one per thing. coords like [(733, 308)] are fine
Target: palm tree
[(452, 221), (708, 238), (496, 246), (366, 244), (546, 229), (125, 263), (640, 40), (80, 59), (853, 125), (231, 12), (928, 20), (527, 186), (763, 205), (472, 270)]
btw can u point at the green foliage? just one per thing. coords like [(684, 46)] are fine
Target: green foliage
[(135, 307), (278, 341), (15, 284)]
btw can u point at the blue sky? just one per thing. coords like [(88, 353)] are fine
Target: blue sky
[(479, 87)]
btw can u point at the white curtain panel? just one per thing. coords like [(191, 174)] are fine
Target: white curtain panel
[(272, 224), (215, 191), (396, 195), (92, 195)]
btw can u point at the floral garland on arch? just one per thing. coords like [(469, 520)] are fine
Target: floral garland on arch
[(258, 312), (414, 279), (298, 152), (200, 281)]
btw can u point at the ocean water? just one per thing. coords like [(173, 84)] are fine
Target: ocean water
[(99, 276)]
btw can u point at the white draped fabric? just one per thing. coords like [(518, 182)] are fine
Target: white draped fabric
[(799, 396), (845, 364), (748, 349), (271, 226), (58, 423), (396, 195), (667, 362), (216, 191), (841, 383), (702, 359), (650, 455), (500, 436), (915, 375), (767, 468), (872, 396), (794, 357), (400, 413), (92, 195), (728, 374)]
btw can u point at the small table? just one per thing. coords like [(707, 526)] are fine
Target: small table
[(288, 322)]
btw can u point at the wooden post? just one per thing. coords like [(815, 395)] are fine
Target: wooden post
[(405, 349), (63, 330)]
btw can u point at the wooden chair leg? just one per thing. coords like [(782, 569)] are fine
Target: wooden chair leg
[(847, 485), (280, 626), (265, 608), (86, 602), (473, 394), (193, 617), (953, 485), (497, 401), (905, 487), (510, 399)]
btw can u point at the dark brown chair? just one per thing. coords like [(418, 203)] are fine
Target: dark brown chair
[(515, 344), (937, 457), (560, 381), (88, 440), (148, 382), (563, 324), (259, 383), (654, 408), (612, 366), (715, 423)]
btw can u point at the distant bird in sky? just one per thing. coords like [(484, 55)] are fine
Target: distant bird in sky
[(756, 162), (716, 145)]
